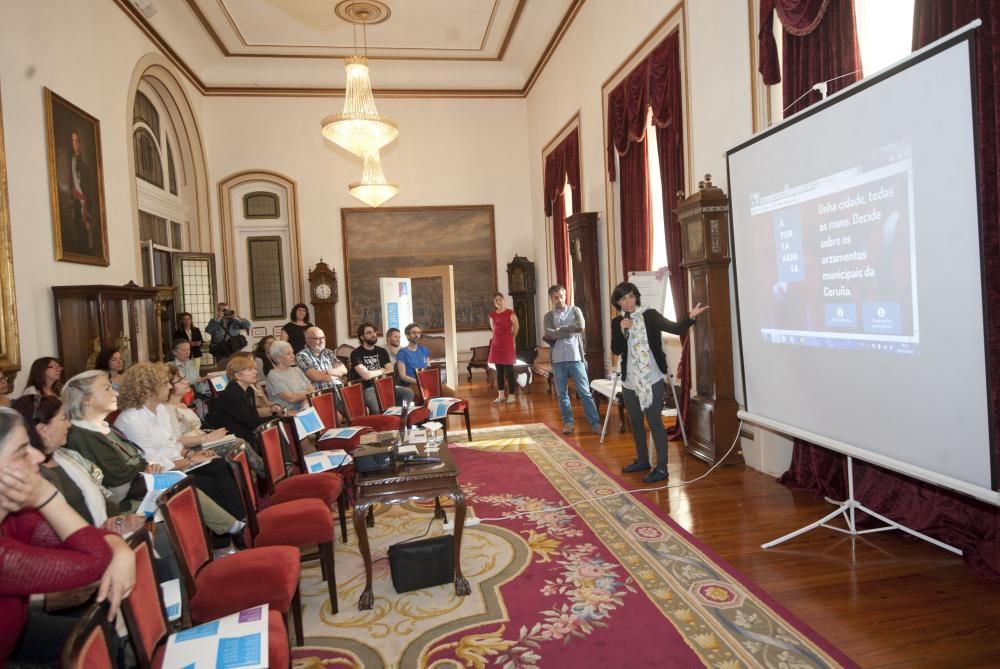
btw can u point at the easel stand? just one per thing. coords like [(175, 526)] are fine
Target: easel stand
[(614, 390), (848, 508)]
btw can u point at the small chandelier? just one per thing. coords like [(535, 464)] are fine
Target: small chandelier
[(359, 128), (373, 189)]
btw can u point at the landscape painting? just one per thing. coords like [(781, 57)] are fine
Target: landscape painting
[(379, 241)]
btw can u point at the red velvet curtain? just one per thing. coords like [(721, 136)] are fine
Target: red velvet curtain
[(562, 165), (637, 238), (961, 521), (819, 44)]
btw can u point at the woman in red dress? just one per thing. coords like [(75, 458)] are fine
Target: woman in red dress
[(504, 324)]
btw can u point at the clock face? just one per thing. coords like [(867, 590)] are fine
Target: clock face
[(322, 291)]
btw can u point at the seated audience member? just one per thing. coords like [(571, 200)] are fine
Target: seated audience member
[(78, 479), (262, 357), (45, 377), (147, 421), (287, 385), (224, 327), (4, 391), (295, 329), (188, 369), (392, 342), (189, 424), (415, 356), (235, 408), (46, 547), (187, 330), (369, 361), (320, 365), (87, 399), (110, 360)]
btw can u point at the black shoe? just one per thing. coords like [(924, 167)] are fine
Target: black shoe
[(636, 467), (657, 475)]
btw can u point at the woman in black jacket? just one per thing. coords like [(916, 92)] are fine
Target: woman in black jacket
[(235, 408), (636, 336)]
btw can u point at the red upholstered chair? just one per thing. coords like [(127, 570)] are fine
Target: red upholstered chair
[(429, 385), (354, 405), (325, 403), (147, 622), (297, 522), (217, 588), (87, 646), (328, 487), (385, 392)]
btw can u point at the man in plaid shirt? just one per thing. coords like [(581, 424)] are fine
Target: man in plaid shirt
[(320, 365)]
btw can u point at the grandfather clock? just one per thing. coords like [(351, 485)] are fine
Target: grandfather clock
[(521, 286), (323, 297), (585, 270), (704, 221)]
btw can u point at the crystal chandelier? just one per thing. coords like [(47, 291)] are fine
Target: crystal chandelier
[(359, 128), (373, 189)]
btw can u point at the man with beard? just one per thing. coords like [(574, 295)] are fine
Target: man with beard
[(368, 362)]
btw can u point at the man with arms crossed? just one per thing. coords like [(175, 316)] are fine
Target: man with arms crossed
[(319, 363), (564, 333), (369, 361)]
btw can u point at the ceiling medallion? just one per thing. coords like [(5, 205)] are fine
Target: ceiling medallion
[(363, 12)]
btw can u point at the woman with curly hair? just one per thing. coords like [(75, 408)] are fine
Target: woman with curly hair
[(149, 422), (45, 377)]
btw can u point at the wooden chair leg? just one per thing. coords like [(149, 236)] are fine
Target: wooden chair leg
[(297, 619), (342, 510), (468, 425), (326, 559)]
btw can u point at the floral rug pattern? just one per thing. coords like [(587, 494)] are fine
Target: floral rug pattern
[(609, 582)]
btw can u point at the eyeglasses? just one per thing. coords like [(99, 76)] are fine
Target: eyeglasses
[(317, 338)]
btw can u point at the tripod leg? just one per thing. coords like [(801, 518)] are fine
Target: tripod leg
[(611, 401), (680, 418)]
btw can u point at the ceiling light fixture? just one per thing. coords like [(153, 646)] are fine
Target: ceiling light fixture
[(373, 189), (359, 128)]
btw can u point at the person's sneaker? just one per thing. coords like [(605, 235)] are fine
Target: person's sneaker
[(568, 428), (498, 400), (511, 399), (596, 428), (655, 476), (219, 553), (636, 467)]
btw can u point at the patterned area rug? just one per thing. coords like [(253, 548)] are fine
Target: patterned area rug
[(612, 582)]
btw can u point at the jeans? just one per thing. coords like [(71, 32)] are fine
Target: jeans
[(654, 417), (576, 370)]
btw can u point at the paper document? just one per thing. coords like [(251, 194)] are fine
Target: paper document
[(221, 441), (403, 450), (219, 382), (155, 485), (393, 411), (438, 406), (416, 437), (171, 593), (238, 640), (308, 422), (324, 461), (341, 433)]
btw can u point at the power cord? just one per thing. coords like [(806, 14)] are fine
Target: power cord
[(624, 492)]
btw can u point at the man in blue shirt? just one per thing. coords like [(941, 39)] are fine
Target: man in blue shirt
[(564, 333), (415, 356), (226, 326)]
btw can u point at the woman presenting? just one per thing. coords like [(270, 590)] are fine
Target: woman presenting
[(636, 336), (503, 323)]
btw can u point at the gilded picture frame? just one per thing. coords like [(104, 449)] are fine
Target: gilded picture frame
[(10, 343), (76, 183), (378, 241)]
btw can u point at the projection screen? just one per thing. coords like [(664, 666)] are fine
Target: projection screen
[(859, 275)]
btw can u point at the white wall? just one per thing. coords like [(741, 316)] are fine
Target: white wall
[(449, 152), (85, 52)]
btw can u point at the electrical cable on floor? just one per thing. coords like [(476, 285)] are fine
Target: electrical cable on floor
[(624, 492)]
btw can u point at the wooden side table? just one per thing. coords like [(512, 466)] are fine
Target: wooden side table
[(405, 482)]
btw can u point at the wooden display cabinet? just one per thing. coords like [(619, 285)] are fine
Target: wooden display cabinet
[(134, 319)]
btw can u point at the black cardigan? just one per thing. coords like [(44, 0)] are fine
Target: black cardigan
[(236, 410), (656, 325)]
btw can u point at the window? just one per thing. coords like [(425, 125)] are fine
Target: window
[(261, 204), (267, 279), (656, 216), (885, 32)]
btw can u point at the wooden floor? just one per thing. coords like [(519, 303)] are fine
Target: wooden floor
[(885, 600)]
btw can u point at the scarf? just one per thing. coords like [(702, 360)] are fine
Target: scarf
[(640, 359), (87, 478)]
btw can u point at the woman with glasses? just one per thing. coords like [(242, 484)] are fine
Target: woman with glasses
[(150, 423), (111, 361), (45, 377), (637, 336)]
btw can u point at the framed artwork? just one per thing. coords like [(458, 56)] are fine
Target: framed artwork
[(277, 330), (258, 332), (377, 241), (10, 344), (76, 183)]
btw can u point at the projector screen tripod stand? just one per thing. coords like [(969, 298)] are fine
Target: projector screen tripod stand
[(848, 509)]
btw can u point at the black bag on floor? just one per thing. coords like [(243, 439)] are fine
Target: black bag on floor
[(421, 564)]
